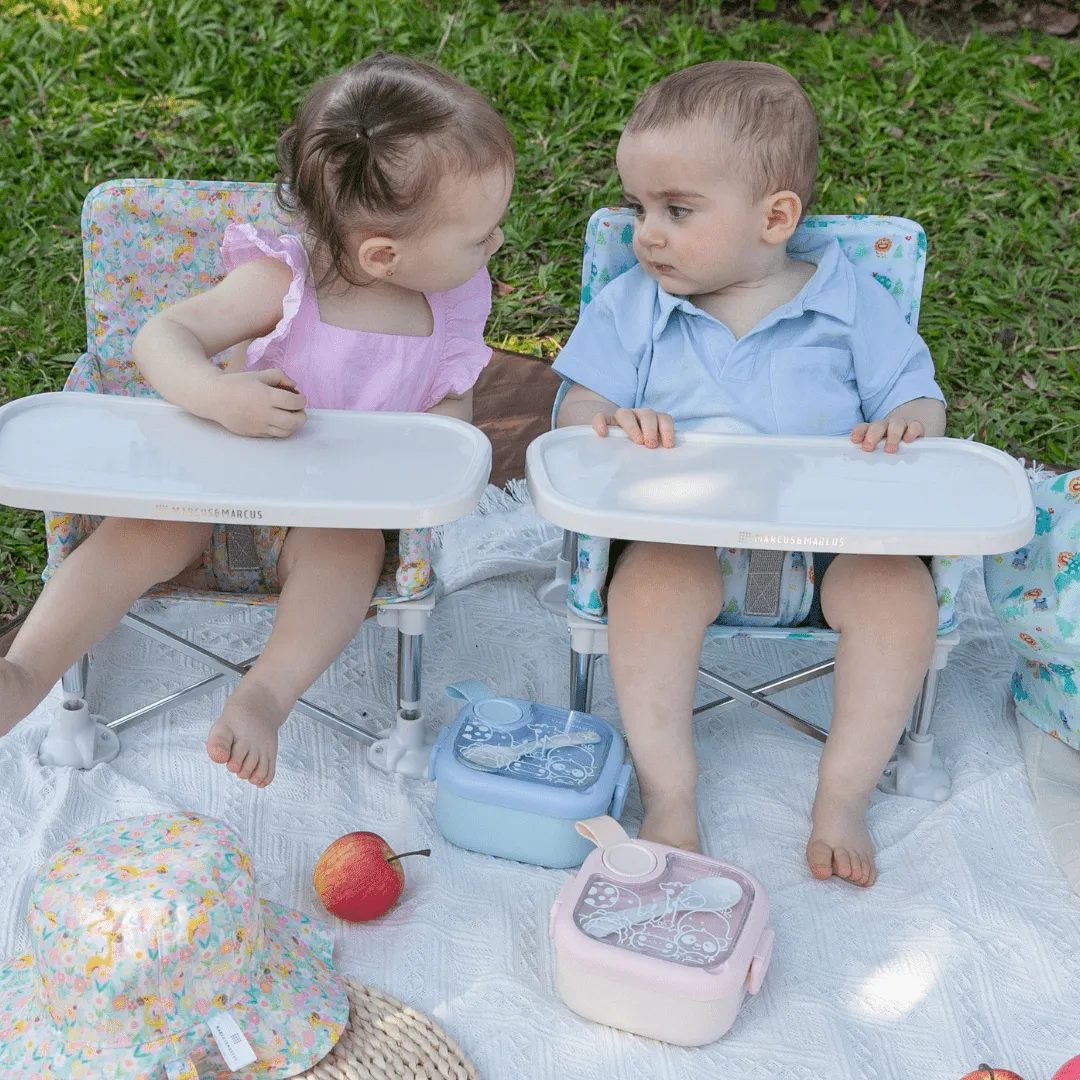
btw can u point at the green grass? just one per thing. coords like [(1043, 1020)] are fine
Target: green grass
[(970, 138)]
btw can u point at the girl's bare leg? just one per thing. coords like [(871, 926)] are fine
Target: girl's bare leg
[(662, 598), (886, 612), (91, 591), (327, 578)]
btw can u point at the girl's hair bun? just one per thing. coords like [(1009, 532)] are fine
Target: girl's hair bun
[(371, 143)]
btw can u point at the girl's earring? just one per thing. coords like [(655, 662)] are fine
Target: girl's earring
[(389, 273)]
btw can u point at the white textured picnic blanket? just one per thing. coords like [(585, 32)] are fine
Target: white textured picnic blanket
[(965, 951)]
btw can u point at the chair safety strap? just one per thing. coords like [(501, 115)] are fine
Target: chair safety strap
[(240, 547), (763, 582)]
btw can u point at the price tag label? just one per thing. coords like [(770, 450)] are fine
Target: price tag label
[(235, 1049)]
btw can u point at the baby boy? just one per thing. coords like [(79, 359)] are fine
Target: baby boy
[(719, 327)]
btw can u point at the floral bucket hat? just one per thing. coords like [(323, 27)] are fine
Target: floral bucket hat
[(152, 959)]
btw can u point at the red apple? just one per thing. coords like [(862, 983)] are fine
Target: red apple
[(984, 1072), (358, 877), (1069, 1071)]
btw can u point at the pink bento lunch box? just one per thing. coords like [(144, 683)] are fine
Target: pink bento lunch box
[(658, 941)]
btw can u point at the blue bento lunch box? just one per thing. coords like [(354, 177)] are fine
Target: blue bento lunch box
[(514, 777)]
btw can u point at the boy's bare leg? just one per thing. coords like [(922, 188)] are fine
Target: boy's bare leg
[(327, 578), (91, 591), (886, 612), (662, 598)]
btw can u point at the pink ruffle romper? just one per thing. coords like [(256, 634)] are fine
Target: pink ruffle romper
[(336, 368)]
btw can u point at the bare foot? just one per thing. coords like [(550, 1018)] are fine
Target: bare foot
[(19, 694), (671, 819), (244, 737), (839, 841)]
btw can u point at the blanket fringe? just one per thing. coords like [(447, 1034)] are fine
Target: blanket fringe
[(513, 496), (1036, 471)]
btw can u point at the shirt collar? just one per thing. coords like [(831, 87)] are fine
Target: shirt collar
[(666, 303), (831, 291)]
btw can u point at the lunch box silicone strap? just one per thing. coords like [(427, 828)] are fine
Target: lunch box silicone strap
[(470, 690), (603, 831)]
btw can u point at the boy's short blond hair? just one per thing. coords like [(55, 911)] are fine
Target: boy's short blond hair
[(759, 108)]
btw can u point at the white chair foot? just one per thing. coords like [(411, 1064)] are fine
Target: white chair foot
[(553, 594), (917, 771), (404, 750), (76, 740)]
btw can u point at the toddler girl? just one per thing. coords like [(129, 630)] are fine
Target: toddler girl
[(396, 176)]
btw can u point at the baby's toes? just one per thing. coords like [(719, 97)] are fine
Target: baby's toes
[(264, 773), (858, 868), (842, 863), (239, 755), (820, 857), (250, 765), (219, 746), (862, 869)]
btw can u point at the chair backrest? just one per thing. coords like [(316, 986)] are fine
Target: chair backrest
[(151, 243), (893, 249), (148, 244)]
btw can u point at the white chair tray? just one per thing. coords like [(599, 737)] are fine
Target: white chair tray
[(933, 497), (139, 457)]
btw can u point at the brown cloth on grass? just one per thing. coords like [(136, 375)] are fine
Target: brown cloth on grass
[(512, 403)]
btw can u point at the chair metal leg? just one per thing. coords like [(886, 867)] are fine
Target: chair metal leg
[(410, 660), (188, 693), (73, 681), (766, 689), (755, 700), (552, 594), (916, 769), (410, 620), (404, 747), (226, 670), (582, 666), (923, 714), (76, 739), (569, 546)]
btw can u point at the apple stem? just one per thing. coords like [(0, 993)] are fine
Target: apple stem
[(406, 854)]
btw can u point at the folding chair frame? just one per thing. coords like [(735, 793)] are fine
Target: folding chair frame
[(409, 618)]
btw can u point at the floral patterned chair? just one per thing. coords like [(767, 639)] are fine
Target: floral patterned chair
[(147, 244)]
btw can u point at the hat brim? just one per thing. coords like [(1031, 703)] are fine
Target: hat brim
[(292, 1016)]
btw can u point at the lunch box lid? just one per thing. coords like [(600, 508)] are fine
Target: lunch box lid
[(689, 909), (530, 757)]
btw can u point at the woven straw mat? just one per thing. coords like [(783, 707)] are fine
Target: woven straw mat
[(385, 1039)]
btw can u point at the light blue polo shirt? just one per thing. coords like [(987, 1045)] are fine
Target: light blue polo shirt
[(836, 354)]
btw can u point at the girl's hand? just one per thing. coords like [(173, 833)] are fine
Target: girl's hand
[(893, 429), (264, 404), (644, 426)]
